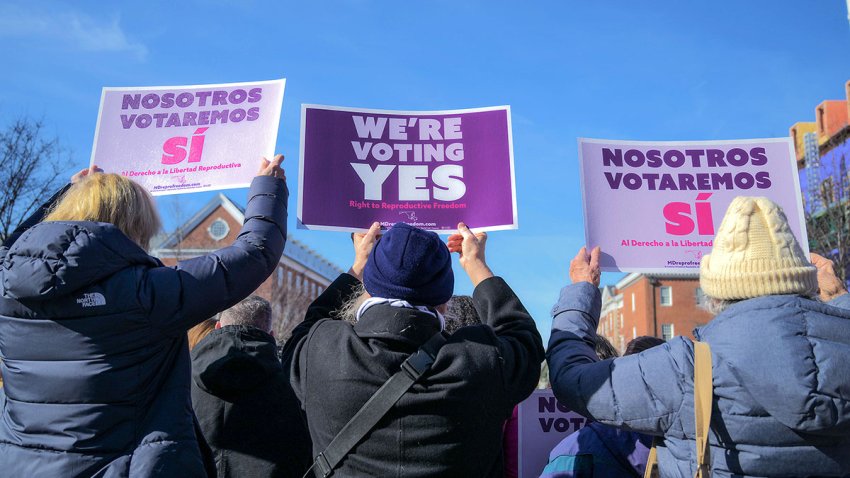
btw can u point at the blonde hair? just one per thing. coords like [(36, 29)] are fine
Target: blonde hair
[(198, 332), (110, 198)]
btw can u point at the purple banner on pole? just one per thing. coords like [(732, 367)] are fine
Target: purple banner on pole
[(656, 206), (542, 423), (430, 169), (181, 139)]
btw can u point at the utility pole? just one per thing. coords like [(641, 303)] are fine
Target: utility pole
[(654, 282)]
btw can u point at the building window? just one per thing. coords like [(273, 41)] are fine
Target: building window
[(699, 296), (280, 276), (289, 278), (298, 283), (634, 332), (621, 322), (667, 331), (218, 229), (633, 303), (666, 295)]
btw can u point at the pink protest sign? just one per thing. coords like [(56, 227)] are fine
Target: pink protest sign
[(180, 139), (656, 206), (430, 169), (543, 423)]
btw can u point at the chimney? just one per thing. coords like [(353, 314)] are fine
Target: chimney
[(831, 117)]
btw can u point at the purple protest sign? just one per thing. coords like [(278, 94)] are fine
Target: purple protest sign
[(655, 206), (430, 169), (542, 423), (180, 139)]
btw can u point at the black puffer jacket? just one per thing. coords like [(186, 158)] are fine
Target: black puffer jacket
[(245, 405)]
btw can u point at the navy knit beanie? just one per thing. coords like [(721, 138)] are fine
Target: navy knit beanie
[(410, 264)]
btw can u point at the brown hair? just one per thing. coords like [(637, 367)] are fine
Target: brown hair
[(198, 332), (110, 198)]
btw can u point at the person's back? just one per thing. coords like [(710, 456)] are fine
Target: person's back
[(450, 422), (781, 390), (93, 333), (241, 395)]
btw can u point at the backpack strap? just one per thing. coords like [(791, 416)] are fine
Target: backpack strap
[(651, 470), (377, 407), (703, 393)]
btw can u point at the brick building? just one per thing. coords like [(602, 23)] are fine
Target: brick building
[(301, 274), (823, 160), (663, 305)]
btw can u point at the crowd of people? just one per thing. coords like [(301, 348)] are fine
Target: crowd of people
[(117, 366)]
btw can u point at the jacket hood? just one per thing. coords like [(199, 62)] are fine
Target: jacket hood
[(54, 259), (790, 354), (234, 359)]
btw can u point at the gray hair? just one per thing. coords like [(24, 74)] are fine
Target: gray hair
[(715, 306), (348, 311), (253, 311)]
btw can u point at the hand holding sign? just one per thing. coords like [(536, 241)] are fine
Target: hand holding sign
[(85, 172), (471, 247), (585, 268), (829, 286), (363, 244), (272, 168)]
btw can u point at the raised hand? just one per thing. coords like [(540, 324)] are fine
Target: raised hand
[(85, 172), (272, 168), (829, 285), (363, 244), (585, 268), (470, 246)]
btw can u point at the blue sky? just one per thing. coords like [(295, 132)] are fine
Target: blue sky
[(661, 70)]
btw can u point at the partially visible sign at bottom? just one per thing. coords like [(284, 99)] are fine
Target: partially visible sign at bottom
[(543, 423)]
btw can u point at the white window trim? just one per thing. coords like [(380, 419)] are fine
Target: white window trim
[(661, 296), (672, 331), (226, 229)]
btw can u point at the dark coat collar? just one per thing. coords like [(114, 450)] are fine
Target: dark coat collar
[(410, 326)]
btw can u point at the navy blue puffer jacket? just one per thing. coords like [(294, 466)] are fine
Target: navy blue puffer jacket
[(93, 341), (781, 372)]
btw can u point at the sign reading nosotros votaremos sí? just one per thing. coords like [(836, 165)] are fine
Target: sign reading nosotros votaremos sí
[(430, 169), (178, 139), (656, 206)]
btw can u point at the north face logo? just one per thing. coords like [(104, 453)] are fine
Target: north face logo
[(93, 299)]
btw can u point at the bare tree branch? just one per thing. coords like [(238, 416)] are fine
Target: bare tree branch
[(32, 170), (290, 305), (829, 226)]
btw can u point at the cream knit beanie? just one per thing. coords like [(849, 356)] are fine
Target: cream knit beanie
[(755, 254)]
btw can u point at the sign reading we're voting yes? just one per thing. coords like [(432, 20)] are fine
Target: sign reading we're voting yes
[(656, 206), (179, 139), (430, 169)]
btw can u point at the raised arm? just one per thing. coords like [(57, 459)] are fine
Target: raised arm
[(640, 392), (332, 299), (519, 342), (181, 296)]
